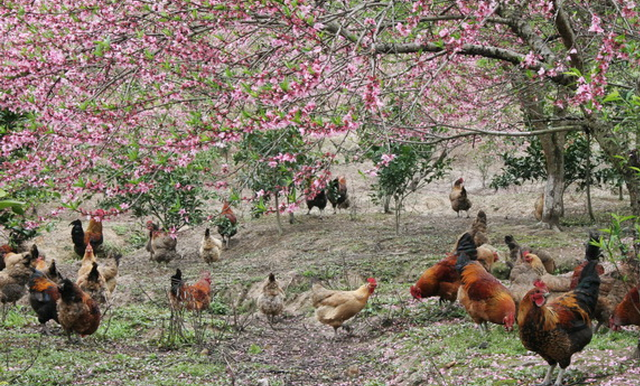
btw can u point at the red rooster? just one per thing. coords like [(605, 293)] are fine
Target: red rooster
[(195, 297), (481, 294), (441, 280)]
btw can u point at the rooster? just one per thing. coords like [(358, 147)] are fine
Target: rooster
[(77, 311), (81, 238), (558, 329), (337, 193), (43, 296), (271, 300), (161, 245), (626, 313), (481, 294), (442, 280), (318, 200), (195, 297), (335, 307), (227, 224), (458, 197), (210, 248)]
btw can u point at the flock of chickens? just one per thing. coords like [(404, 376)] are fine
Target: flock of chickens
[(554, 314)]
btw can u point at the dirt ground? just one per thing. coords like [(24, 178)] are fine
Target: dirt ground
[(340, 250)]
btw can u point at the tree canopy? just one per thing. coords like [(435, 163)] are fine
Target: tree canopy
[(157, 83)]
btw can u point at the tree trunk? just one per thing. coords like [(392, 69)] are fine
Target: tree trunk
[(278, 214), (553, 148)]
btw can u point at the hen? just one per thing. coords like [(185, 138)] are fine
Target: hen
[(271, 300), (227, 224), (626, 313), (81, 238), (15, 276), (43, 296), (77, 311), (318, 200), (481, 294), (562, 327), (94, 284), (516, 251), (458, 197), (210, 248), (337, 193), (195, 297), (161, 245), (335, 307), (99, 281)]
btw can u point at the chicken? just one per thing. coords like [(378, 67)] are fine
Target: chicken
[(77, 311), (562, 327), (12, 258), (110, 271), (161, 245), (478, 230), (195, 297), (271, 300), (227, 224), (81, 238), (538, 207), (51, 270), (318, 200), (94, 284), (4, 250), (14, 277), (626, 313), (99, 281), (516, 251), (458, 197), (481, 294), (337, 193), (487, 255), (529, 269), (43, 296), (210, 248), (442, 280), (335, 307)]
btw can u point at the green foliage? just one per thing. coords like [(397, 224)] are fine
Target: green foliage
[(530, 166), (263, 172), (413, 165), (175, 198)]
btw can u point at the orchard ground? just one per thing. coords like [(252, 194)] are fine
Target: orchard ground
[(394, 341)]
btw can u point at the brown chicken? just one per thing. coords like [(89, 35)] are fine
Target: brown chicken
[(626, 313), (43, 296), (210, 248), (538, 207), (336, 307), (51, 270), (458, 197), (14, 277), (442, 280), (516, 251), (195, 297), (81, 238), (337, 193), (94, 284), (562, 327), (227, 224), (487, 255), (4, 250), (12, 258), (271, 300), (161, 245), (481, 294), (77, 311)]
